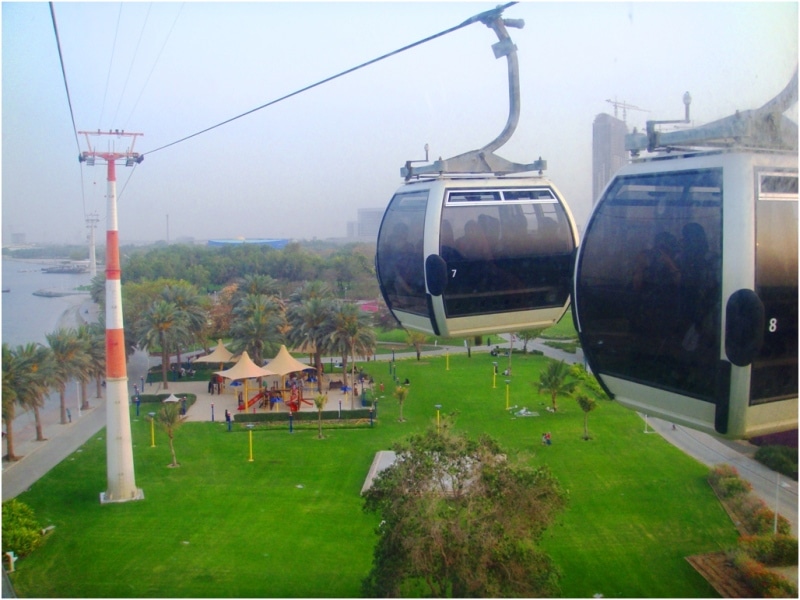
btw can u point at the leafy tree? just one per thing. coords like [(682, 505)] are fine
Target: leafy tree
[(185, 297), (554, 381), (401, 393), (21, 529), (416, 339), (170, 419), (527, 335), (163, 326), (319, 402), (587, 405), (588, 382), (71, 360), (220, 312), (460, 520)]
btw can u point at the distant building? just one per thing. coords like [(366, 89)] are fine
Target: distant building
[(367, 225), (278, 244), (608, 151)]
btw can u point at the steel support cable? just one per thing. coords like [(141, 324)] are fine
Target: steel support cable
[(153, 68), (110, 63), (481, 17), (133, 60), (69, 98)]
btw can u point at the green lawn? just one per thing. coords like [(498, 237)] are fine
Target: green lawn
[(290, 523)]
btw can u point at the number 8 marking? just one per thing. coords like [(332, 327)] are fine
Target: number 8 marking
[(773, 325)]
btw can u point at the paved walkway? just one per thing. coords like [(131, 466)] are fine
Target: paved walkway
[(40, 457)]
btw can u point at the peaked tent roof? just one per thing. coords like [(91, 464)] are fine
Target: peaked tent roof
[(245, 369), (220, 355), (284, 363)]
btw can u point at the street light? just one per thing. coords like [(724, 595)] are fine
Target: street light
[(438, 408), (447, 360), (494, 374), (507, 392), (250, 427), (152, 416)]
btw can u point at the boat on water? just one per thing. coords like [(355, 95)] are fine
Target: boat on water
[(69, 268)]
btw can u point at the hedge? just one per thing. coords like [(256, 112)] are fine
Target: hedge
[(772, 550), (327, 415)]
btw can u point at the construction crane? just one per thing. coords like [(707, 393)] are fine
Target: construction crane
[(624, 106)]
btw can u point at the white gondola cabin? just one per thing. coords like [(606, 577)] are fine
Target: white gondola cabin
[(685, 286), (466, 256)]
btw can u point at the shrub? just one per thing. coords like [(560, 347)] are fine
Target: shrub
[(757, 518), (21, 532), (727, 483), (761, 580), (773, 550), (779, 458)]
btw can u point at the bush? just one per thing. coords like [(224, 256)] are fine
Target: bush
[(757, 518), (727, 483), (773, 550), (779, 458), (282, 416), (22, 534), (761, 580)]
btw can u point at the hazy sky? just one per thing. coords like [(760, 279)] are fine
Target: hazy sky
[(302, 168)]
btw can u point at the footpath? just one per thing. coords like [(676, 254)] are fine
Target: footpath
[(39, 457)]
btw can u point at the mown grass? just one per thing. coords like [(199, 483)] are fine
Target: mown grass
[(290, 523)]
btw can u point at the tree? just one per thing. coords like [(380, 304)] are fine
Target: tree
[(309, 321), (170, 419), (185, 297), (27, 374), (70, 361), (587, 405), (258, 320), (416, 339), (527, 335), (460, 520), (162, 326), (554, 381), (319, 402), (349, 332), (401, 393), (34, 364), (97, 356)]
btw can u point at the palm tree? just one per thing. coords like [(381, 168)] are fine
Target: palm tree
[(91, 349), (349, 331), (26, 380), (401, 393), (163, 326), (170, 419), (184, 296), (258, 320), (35, 363), (308, 320), (319, 402), (70, 361), (97, 356), (587, 405), (554, 381), (258, 285)]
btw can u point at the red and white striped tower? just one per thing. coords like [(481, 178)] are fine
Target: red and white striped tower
[(119, 445)]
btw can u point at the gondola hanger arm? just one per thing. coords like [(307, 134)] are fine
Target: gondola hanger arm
[(484, 160)]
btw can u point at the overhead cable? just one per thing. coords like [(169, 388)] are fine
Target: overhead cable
[(471, 20)]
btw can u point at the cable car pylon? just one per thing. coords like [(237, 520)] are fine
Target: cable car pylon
[(484, 160), (119, 443)]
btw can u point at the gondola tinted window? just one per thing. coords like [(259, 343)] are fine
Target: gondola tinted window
[(774, 372), (505, 250), (399, 258), (649, 281)]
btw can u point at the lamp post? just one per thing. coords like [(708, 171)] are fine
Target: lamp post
[(508, 381), (250, 428), (438, 408), (291, 421), (494, 374), (447, 360), (152, 416)]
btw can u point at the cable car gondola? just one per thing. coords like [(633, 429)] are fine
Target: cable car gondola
[(469, 246), (685, 287)]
